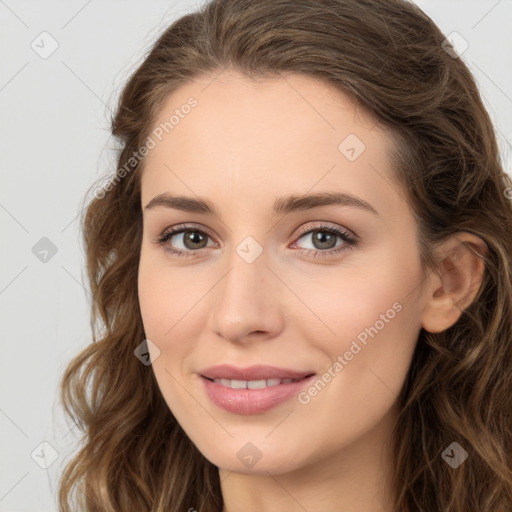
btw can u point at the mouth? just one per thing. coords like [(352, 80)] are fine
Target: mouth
[(252, 390), (254, 384)]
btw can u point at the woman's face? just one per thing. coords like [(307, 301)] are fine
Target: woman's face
[(308, 263)]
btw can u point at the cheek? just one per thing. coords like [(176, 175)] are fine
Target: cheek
[(369, 322), (370, 353), (163, 312), (151, 297), (348, 302), (166, 296), (169, 300)]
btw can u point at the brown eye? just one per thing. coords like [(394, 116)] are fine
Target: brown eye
[(194, 239), (185, 241), (324, 239)]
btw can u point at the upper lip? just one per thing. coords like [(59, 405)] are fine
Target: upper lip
[(256, 372)]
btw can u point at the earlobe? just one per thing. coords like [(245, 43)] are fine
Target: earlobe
[(455, 284)]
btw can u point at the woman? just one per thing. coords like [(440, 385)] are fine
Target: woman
[(340, 338)]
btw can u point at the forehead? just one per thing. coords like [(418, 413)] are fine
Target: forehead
[(258, 139)]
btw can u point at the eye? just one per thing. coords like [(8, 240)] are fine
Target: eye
[(324, 239), (189, 238)]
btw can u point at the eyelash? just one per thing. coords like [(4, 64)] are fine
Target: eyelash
[(350, 241)]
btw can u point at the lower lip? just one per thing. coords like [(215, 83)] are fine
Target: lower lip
[(252, 401)]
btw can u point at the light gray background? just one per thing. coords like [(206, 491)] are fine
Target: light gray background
[(54, 142)]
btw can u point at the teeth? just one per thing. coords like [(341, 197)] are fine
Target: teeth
[(252, 384)]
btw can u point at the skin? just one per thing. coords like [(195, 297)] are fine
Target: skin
[(247, 143)]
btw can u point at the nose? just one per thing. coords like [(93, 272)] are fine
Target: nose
[(247, 301)]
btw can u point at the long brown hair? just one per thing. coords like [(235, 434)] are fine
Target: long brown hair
[(392, 59)]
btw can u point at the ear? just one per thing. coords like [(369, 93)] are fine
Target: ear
[(454, 284)]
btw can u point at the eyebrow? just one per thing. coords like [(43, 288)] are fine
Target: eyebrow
[(282, 205)]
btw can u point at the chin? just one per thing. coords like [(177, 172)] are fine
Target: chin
[(253, 457)]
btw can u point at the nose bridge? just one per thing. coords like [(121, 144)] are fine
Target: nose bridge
[(243, 285), (247, 297)]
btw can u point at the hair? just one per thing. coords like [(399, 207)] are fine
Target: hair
[(388, 56)]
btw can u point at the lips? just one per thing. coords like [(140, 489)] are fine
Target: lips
[(253, 373), (252, 390)]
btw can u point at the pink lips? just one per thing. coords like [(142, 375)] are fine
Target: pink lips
[(252, 401)]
